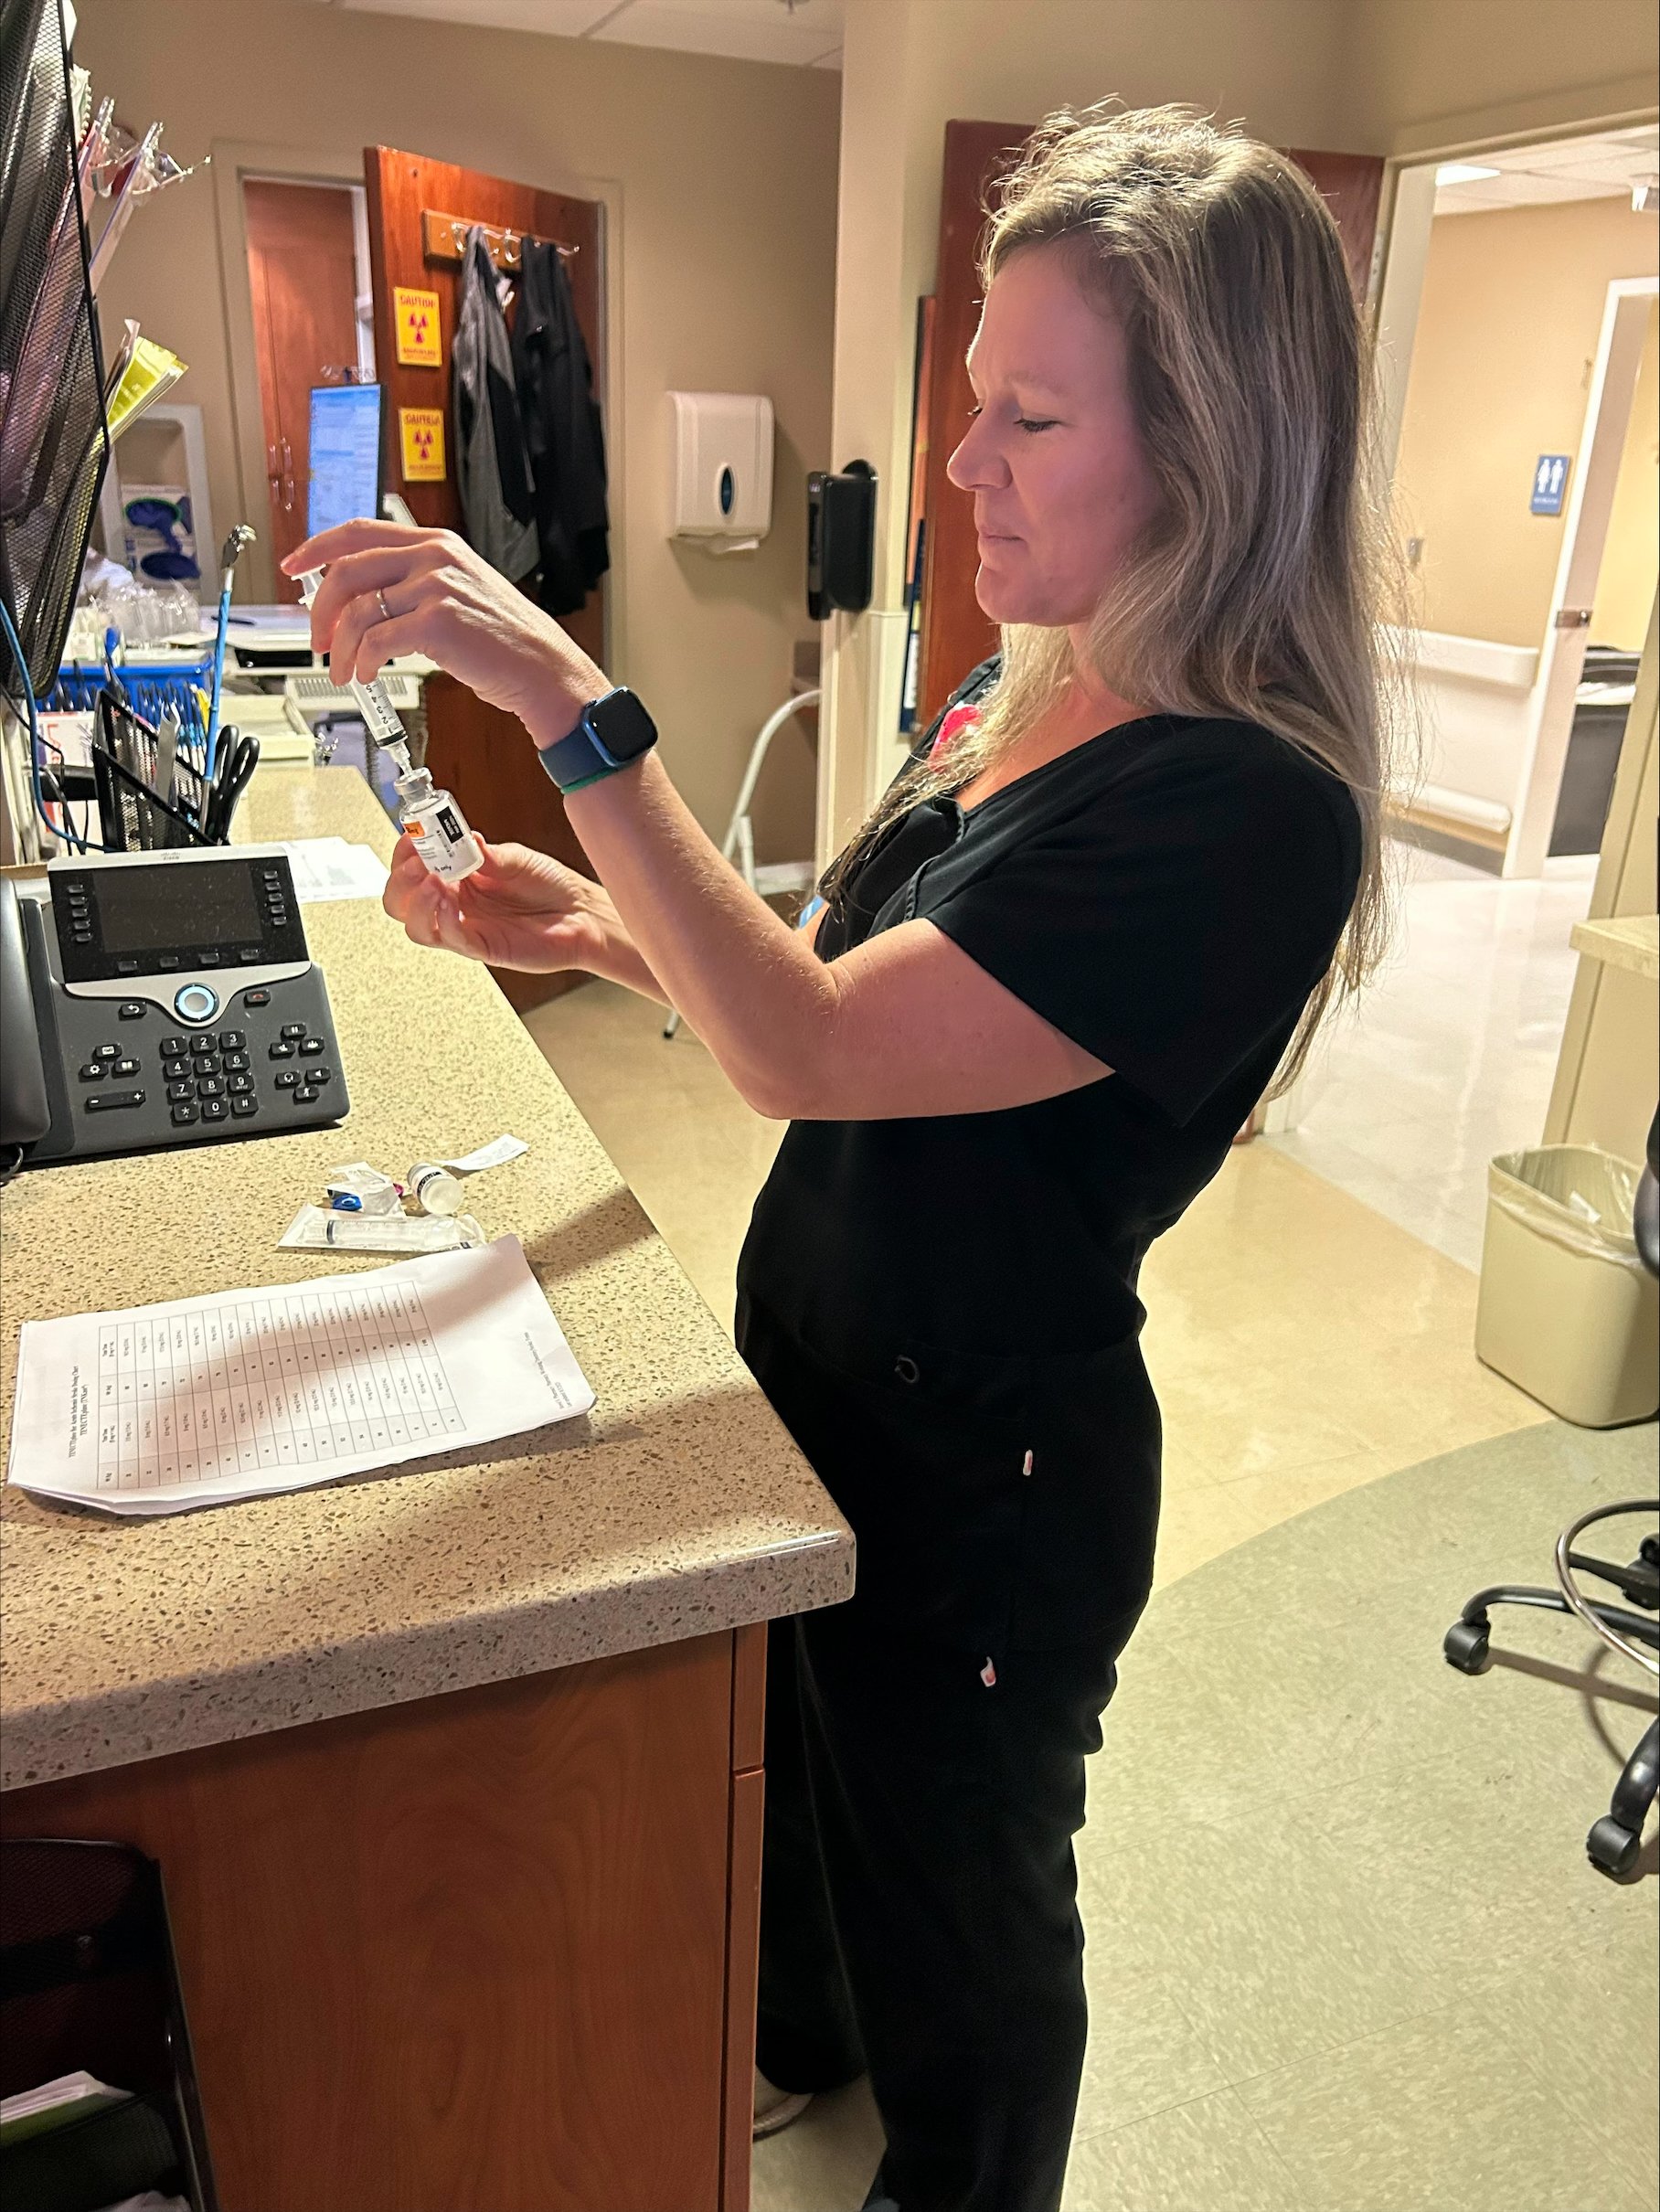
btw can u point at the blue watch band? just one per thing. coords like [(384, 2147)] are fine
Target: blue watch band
[(612, 731)]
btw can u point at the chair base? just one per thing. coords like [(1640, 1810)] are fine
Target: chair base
[(1615, 1840)]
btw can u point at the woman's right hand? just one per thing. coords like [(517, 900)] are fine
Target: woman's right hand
[(521, 909)]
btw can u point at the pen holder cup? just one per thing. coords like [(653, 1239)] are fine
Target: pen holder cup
[(88, 1981), (134, 819)]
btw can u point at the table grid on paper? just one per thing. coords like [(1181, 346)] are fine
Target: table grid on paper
[(299, 1378)]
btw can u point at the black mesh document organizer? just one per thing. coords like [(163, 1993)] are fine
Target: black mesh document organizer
[(54, 438), (87, 1980)]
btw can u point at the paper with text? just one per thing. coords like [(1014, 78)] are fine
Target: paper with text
[(241, 1393)]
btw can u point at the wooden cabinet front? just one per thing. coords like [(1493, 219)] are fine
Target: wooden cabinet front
[(471, 1953)]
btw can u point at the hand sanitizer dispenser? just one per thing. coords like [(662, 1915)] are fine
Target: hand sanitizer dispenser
[(722, 482)]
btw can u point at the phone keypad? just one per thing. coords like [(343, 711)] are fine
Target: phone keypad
[(207, 1076)]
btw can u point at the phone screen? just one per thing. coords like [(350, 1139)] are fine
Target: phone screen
[(142, 909)]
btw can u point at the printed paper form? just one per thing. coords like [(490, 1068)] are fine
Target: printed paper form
[(328, 868), (241, 1393)]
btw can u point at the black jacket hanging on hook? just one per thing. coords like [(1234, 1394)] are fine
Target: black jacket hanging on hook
[(491, 466), (563, 432)]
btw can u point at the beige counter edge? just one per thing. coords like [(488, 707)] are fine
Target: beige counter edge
[(122, 1727)]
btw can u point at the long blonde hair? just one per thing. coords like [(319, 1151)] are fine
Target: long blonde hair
[(1252, 595)]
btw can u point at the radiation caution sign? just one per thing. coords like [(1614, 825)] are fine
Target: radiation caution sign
[(421, 431), (415, 315)]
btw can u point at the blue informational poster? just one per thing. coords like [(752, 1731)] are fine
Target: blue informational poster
[(345, 480), (1549, 483)]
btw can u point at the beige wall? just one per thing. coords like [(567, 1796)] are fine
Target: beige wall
[(1425, 74), (1631, 560), (724, 173), (1512, 305)]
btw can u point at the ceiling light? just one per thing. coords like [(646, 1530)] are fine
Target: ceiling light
[(1645, 195), (1463, 172)]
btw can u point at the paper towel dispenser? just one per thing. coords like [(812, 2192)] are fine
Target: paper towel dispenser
[(722, 485)]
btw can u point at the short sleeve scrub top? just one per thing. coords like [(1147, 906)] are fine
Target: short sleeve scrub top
[(944, 1310)]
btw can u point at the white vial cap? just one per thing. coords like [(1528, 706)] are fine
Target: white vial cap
[(434, 1189)]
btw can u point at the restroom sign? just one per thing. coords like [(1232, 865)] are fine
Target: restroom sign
[(415, 315), (421, 432), (1549, 483)]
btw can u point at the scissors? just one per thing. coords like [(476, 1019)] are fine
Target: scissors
[(238, 757)]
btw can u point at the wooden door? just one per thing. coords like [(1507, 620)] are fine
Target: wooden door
[(301, 264), (401, 188), (1351, 185), (955, 633), (481, 754)]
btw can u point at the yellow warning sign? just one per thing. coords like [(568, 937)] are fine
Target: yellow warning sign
[(421, 430), (417, 319)]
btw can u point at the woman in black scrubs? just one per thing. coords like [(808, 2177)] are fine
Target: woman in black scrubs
[(1049, 979)]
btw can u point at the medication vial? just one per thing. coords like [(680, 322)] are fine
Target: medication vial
[(432, 821)]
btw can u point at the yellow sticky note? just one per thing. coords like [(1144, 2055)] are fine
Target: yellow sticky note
[(416, 316), (421, 430)]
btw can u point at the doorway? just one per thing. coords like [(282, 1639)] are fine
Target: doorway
[(312, 323), (1518, 343), (1517, 336)]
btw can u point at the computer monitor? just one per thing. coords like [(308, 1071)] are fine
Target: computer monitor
[(344, 455)]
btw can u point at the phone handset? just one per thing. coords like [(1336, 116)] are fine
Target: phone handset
[(26, 1112)]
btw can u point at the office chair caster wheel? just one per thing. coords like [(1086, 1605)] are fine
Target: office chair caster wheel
[(1612, 1847), (1465, 1646)]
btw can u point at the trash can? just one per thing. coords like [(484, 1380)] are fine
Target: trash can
[(1567, 1310)]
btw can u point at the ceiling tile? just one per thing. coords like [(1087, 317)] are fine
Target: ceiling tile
[(1619, 147), (1520, 192), (762, 32), (562, 18), (1599, 166), (824, 17)]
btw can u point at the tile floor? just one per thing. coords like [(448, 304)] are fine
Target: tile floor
[(1448, 1057), (1304, 1344), (1344, 1952)]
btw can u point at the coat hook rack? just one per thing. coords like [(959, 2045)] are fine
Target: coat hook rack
[(444, 238)]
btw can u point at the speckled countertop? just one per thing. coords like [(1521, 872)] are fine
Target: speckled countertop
[(678, 1506)]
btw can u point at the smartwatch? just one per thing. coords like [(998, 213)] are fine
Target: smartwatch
[(613, 731)]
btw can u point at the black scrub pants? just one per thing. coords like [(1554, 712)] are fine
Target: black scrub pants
[(918, 1915)]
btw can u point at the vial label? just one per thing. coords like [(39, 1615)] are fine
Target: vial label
[(446, 845)]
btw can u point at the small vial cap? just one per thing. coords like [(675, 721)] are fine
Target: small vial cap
[(434, 1189)]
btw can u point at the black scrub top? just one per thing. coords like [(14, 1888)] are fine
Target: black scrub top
[(1167, 895)]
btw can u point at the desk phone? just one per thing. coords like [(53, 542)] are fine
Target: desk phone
[(160, 998)]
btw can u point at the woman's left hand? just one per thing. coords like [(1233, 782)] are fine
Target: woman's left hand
[(394, 587)]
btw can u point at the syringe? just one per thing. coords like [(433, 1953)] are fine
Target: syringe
[(432, 821), (380, 716)]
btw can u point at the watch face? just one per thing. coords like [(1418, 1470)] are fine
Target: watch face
[(621, 727)]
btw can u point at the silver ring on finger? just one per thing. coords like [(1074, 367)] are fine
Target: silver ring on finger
[(386, 613)]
